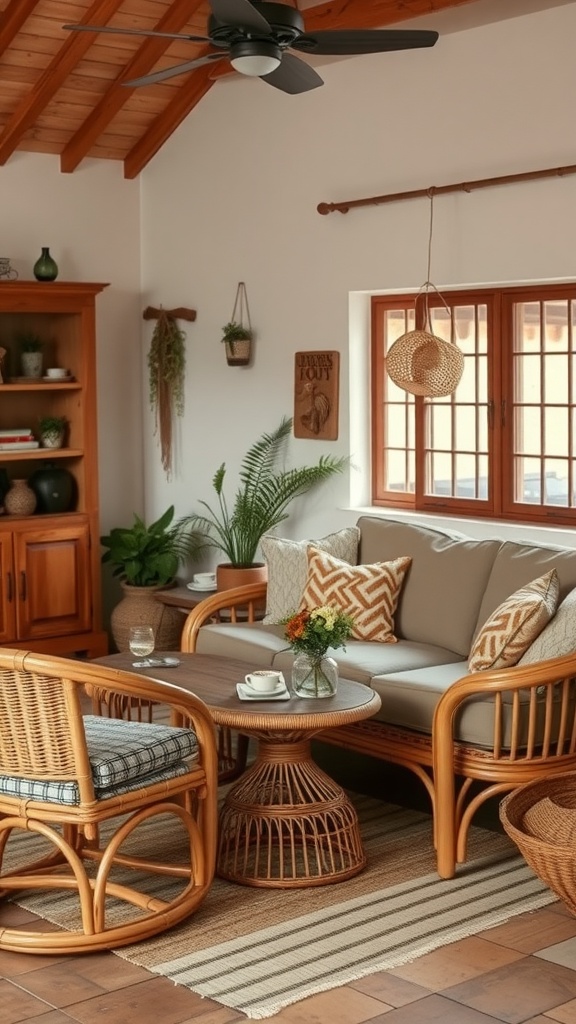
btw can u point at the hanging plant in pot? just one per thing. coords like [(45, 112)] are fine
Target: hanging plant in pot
[(238, 341), (145, 559), (260, 504)]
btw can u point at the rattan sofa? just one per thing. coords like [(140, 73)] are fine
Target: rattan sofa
[(451, 728)]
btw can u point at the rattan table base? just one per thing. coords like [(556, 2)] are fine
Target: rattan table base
[(286, 824)]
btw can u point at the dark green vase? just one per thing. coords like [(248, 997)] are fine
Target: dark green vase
[(54, 487), (45, 268)]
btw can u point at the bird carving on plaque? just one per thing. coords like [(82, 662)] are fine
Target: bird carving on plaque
[(316, 407)]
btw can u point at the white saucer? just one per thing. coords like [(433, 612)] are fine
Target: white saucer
[(59, 380), (196, 586), (246, 692)]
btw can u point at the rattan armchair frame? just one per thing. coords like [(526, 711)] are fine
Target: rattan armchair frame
[(42, 737), (460, 778)]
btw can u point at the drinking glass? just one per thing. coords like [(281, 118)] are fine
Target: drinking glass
[(141, 643)]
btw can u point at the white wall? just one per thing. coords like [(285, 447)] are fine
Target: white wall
[(91, 222), (233, 196)]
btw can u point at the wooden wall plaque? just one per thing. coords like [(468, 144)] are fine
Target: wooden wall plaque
[(316, 383)]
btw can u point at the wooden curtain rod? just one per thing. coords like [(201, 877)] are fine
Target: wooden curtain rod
[(437, 190), (180, 313)]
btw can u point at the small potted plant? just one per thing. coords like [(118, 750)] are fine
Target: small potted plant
[(51, 430), (237, 339), (31, 349)]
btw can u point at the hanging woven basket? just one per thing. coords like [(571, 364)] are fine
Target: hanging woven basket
[(425, 365)]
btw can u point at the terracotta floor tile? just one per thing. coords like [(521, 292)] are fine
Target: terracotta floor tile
[(61, 1017), (531, 932), (82, 978), (14, 964), (565, 1013), (223, 1015), (338, 1006), (392, 990), (17, 1005), (516, 991), (455, 963), (560, 953), (434, 1009), (150, 1002)]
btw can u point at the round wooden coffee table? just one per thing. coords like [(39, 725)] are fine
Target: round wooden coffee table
[(285, 823)]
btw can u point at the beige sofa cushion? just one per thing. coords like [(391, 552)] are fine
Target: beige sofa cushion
[(442, 593), (288, 567), (558, 637), (368, 593), (516, 565), (515, 624), (361, 660)]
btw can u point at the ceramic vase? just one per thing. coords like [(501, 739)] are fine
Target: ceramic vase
[(54, 487), (31, 364), (314, 676), (20, 500), (45, 268)]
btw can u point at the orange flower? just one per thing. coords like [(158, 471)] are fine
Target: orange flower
[(296, 626)]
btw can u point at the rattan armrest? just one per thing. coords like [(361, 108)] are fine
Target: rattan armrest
[(248, 600)]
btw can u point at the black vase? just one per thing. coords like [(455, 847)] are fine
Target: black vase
[(45, 268), (54, 487)]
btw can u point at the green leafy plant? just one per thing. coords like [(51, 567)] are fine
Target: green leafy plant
[(233, 331), (52, 424), (147, 556), (166, 373), (262, 499), (29, 341)]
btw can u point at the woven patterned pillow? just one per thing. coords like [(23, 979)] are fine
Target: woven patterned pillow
[(288, 565), (515, 624), (369, 593), (559, 636)]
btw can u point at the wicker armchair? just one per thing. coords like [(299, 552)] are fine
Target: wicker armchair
[(87, 791)]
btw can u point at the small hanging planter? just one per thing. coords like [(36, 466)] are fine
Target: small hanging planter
[(237, 333)]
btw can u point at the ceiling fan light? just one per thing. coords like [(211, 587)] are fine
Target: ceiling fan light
[(255, 58)]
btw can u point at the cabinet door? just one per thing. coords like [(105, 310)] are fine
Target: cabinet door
[(7, 590), (52, 576)]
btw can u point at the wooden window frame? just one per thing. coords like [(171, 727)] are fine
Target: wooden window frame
[(502, 401)]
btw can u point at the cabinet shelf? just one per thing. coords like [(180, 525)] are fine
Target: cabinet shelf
[(72, 385), (33, 454)]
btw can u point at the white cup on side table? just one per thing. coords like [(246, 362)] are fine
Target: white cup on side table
[(204, 580), (264, 680)]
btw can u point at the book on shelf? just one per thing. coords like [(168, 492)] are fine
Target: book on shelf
[(17, 446), (17, 434)]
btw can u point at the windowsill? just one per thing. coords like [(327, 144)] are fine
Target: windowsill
[(477, 528)]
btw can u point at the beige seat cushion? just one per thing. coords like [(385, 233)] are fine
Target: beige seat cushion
[(515, 624), (368, 593), (288, 567)]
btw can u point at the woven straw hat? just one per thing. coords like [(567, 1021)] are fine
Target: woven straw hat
[(423, 364)]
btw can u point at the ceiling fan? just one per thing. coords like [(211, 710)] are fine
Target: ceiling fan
[(256, 35)]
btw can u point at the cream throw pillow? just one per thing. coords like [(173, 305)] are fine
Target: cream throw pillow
[(288, 566), (559, 636), (515, 624), (368, 593)]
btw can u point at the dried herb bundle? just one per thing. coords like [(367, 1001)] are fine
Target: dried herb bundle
[(166, 366)]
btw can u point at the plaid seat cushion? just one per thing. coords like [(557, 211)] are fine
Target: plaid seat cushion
[(124, 756)]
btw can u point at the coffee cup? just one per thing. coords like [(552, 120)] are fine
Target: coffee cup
[(56, 371), (204, 579), (265, 680)]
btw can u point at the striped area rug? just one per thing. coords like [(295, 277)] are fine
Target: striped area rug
[(257, 950)]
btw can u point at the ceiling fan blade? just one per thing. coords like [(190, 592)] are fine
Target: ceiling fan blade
[(178, 69), (241, 14), (293, 76), (136, 32), (351, 41)]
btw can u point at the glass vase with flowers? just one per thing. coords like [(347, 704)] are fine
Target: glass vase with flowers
[(310, 633)]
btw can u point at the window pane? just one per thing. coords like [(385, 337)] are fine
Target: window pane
[(556, 325), (556, 437), (466, 481), (440, 421), (397, 477), (440, 474), (555, 482), (556, 379), (527, 327), (466, 439), (527, 380), (527, 430), (395, 418)]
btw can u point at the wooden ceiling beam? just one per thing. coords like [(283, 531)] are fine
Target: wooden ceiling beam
[(166, 123), (68, 56), (175, 18), (340, 14), (12, 20)]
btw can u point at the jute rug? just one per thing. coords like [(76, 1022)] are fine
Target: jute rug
[(258, 950)]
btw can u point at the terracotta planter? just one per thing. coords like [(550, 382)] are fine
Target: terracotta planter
[(228, 576), (140, 607)]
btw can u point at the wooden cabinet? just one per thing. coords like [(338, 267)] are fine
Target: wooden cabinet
[(50, 597)]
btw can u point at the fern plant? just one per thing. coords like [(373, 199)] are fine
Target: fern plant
[(262, 499)]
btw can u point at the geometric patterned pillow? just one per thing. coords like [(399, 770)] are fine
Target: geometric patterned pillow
[(559, 636), (288, 566), (368, 593), (515, 624)]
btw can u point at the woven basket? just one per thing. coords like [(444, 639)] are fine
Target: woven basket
[(540, 818), (423, 364)]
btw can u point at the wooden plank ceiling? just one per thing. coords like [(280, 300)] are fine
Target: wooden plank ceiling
[(61, 92)]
